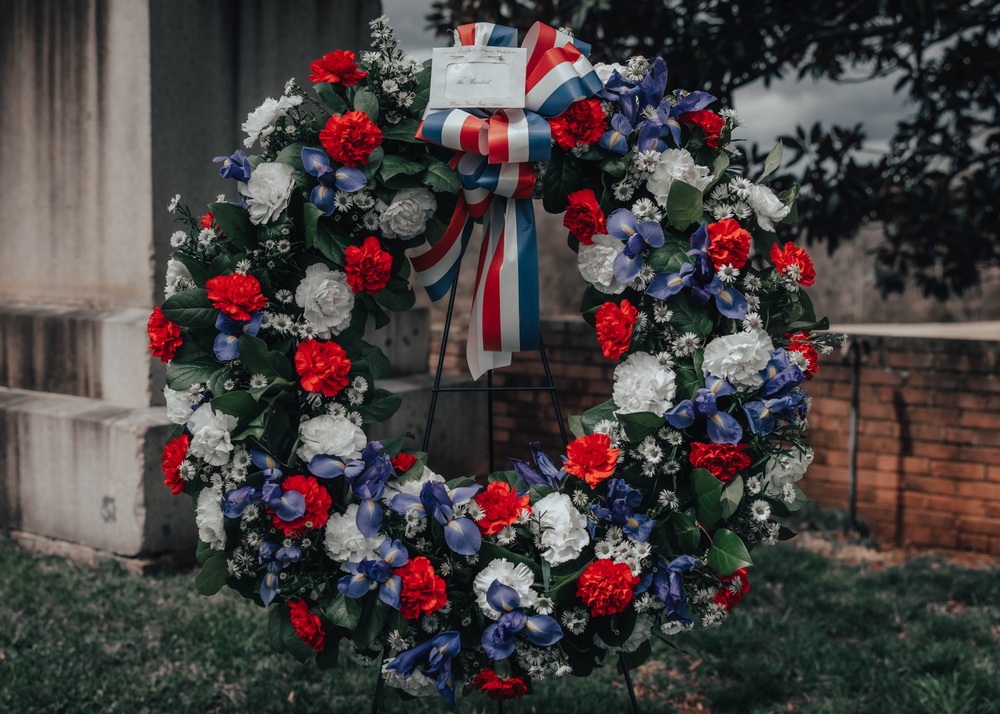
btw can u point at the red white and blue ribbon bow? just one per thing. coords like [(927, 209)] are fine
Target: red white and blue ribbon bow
[(495, 153)]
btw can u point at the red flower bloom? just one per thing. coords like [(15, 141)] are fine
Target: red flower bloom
[(368, 267), (606, 587), (497, 688), (709, 122), (734, 587), (337, 67), (422, 591), (502, 506), (801, 343), (614, 327), (723, 460), (582, 123), (584, 216), (350, 138), (591, 458), (322, 367), (728, 243), (207, 220), (174, 453), (236, 295), (307, 625), (794, 263), (318, 504), (403, 462), (164, 336)]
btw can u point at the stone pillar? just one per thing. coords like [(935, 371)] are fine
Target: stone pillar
[(108, 108)]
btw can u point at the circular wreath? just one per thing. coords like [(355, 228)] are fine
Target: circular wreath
[(646, 525)]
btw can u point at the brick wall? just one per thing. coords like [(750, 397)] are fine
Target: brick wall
[(928, 439)]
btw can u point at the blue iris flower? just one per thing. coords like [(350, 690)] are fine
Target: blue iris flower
[(317, 163), (668, 586), (235, 166), (269, 586), (722, 427), (366, 476), (287, 505), (438, 502), (369, 573), (763, 414), (499, 639), (545, 475), (615, 139), (433, 659), (619, 508), (227, 346), (637, 236), (780, 375)]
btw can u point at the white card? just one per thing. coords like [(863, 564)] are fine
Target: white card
[(478, 77)]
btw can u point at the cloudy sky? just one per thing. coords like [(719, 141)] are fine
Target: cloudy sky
[(768, 112)]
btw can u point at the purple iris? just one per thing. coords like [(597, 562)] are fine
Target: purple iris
[(433, 659), (438, 502), (615, 139), (668, 586), (763, 414), (287, 505), (369, 573), (637, 236), (722, 427), (499, 639), (235, 166), (269, 586), (545, 475), (780, 375), (700, 277), (227, 347), (668, 114), (317, 163), (637, 97), (366, 476), (619, 508)]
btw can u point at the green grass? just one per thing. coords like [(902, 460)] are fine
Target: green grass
[(813, 635)]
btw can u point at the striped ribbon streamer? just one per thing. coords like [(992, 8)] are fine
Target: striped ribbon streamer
[(495, 155)]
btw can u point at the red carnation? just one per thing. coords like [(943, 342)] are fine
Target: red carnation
[(801, 342), (614, 327), (318, 504), (502, 506), (174, 453), (207, 220), (709, 122), (350, 138), (591, 458), (368, 267), (422, 591), (236, 295), (581, 124), (584, 216), (322, 367), (403, 462), (734, 587), (164, 336), (497, 688), (728, 243), (337, 67), (794, 263), (307, 625), (606, 587), (723, 460)]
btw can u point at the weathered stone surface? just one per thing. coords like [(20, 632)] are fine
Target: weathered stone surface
[(405, 341)]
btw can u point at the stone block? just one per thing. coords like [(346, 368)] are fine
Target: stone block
[(406, 341)]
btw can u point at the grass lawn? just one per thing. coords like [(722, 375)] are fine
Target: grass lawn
[(813, 635)]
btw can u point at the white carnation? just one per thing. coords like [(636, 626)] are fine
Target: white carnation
[(330, 435), (267, 192), (739, 358), (676, 165), (412, 487), (767, 206), (604, 71), (210, 435), (179, 405), (643, 384), (178, 275), (345, 543), (785, 469), (517, 576), (326, 299), (416, 685), (562, 530), (261, 121), (407, 216), (597, 263), (209, 519)]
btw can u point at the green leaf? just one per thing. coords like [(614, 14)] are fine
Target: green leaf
[(199, 273), (331, 98), (576, 425), (374, 615), (344, 612), (376, 361), (441, 176), (686, 531), (204, 552), (406, 130), (393, 165), (639, 425), (330, 244), (384, 404), (366, 101), (684, 205), (190, 308), (327, 659), (397, 296), (491, 551), (181, 375), (688, 318), (291, 155), (293, 643), (772, 162), (241, 405), (259, 360), (732, 494), (212, 575), (599, 413), (708, 495), (562, 177), (636, 658), (234, 222), (728, 554), (310, 223), (275, 627), (374, 161), (669, 257)]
